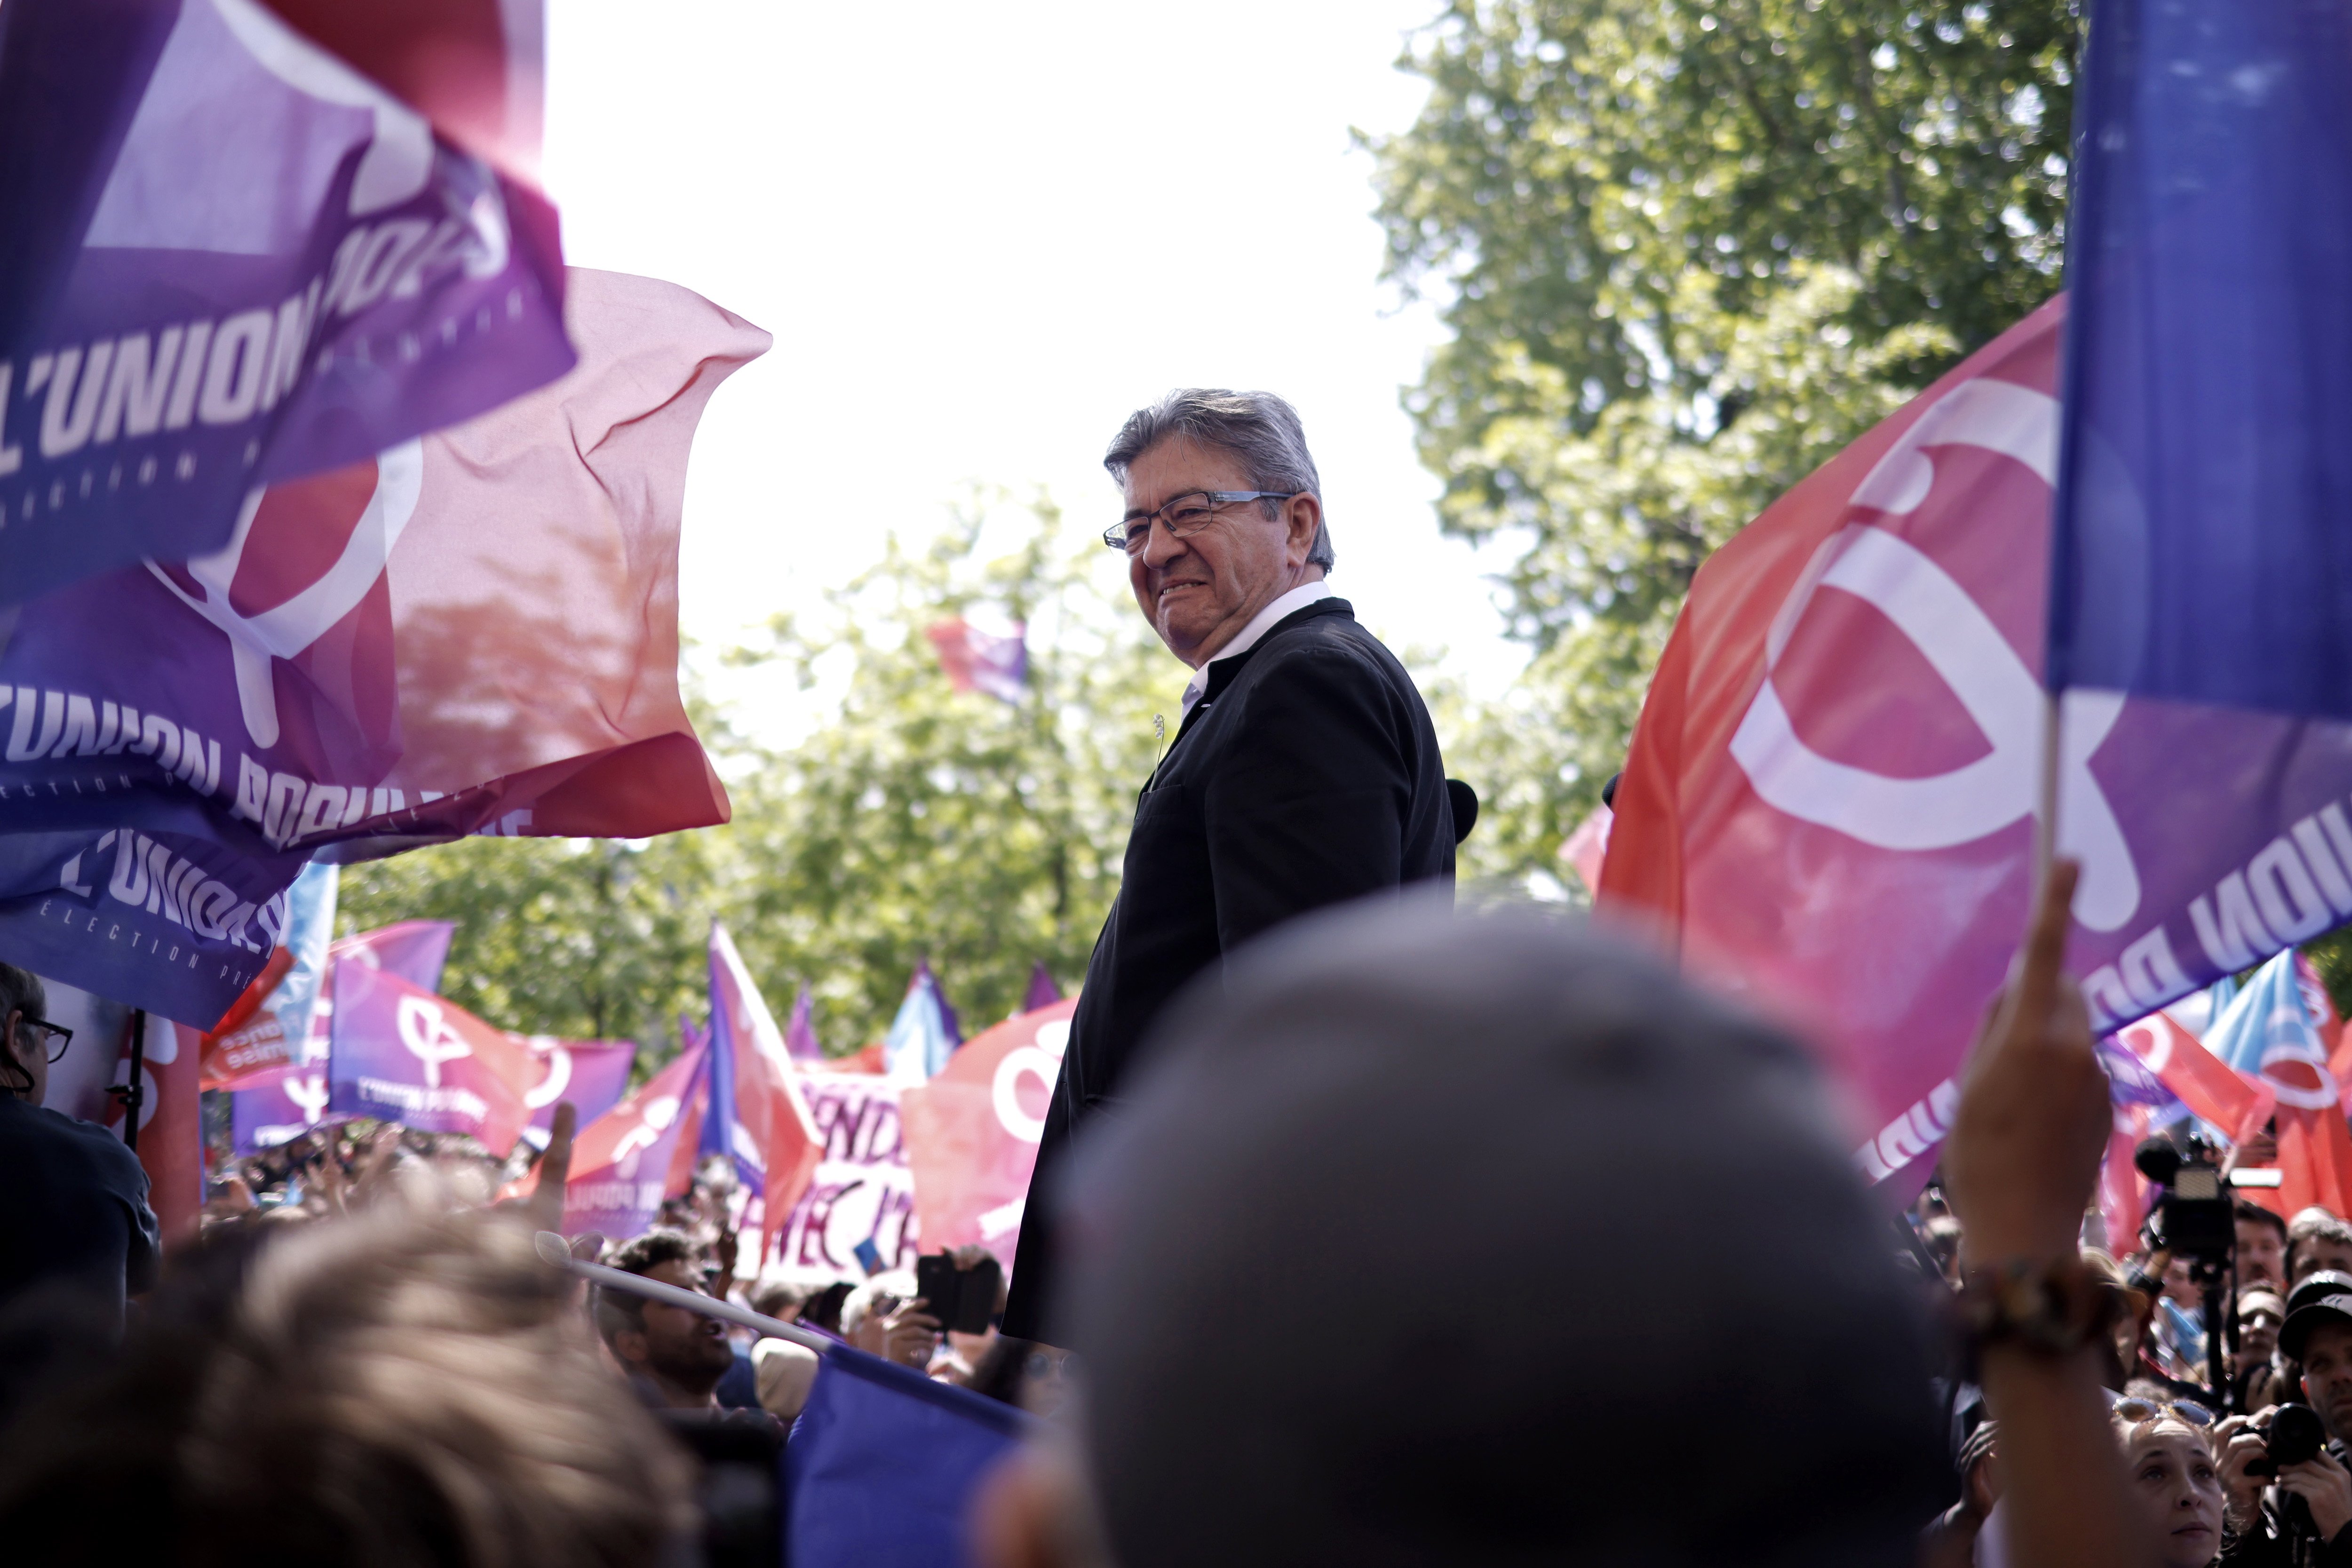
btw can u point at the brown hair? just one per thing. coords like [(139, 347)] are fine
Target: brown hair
[(391, 1389)]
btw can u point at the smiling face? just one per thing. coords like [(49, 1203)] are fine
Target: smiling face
[(1199, 593), (2180, 1491)]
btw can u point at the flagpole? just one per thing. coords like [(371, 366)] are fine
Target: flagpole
[(2045, 820), (554, 1250)]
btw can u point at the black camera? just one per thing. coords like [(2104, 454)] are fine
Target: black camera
[(2296, 1435), (2196, 1219)]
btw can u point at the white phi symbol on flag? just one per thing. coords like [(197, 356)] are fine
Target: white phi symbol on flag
[(426, 1033), (1960, 642)]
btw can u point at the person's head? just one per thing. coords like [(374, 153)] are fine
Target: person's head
[(822, 1309), (1233, 558), (2260, 1314), (2317, 1337), (24, 1039), (2261, 1244), (682, 1353), (2179, 1287), (393, 1388), (2174, 1479), (1482, 1084), (2317, 1240), (780, 1298)]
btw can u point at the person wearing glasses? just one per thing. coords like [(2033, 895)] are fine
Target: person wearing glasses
[(1303, 771), (77, 1219)]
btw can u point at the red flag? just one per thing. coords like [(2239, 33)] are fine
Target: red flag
[(972, 1130), (247, 1043), (401, 1054), (1588, 847), (623, 1162), (1809, 813), (2205, 1083)]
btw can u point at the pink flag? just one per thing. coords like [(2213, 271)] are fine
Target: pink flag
[(976, 660), (621, 1162), (401, 1054), (472, 632), (1588, 847), (972, 1130)]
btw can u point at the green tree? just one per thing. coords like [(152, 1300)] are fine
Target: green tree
[(913, 822), (1686, 249)]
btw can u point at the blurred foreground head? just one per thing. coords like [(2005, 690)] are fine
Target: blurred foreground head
[(1483, 1239), (391, 1390)]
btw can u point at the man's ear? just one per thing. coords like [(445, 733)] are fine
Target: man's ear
[(1304, 514), (631, 1347)]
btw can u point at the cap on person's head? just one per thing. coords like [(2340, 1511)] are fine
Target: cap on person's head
[(1346, 1270), (2325, 1297)]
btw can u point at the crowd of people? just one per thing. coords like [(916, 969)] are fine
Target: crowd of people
[(394, 1377)]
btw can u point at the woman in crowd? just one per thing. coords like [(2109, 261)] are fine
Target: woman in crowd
[(2169, 1454)]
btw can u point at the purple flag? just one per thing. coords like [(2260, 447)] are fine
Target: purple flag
[(232, 259), (592, 1074), (800, 1035), (404, 1055), (1043, 992), (275, 1112)]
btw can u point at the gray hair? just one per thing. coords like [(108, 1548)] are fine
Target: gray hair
[(1258, 428), (21, 991)]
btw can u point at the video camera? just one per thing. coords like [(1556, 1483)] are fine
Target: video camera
[(2196, 1218)]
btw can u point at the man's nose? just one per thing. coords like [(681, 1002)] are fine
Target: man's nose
[(1160, 547)]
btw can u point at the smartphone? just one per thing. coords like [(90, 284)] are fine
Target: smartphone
[(962, 1300)]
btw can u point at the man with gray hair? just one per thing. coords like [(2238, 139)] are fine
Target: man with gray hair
[(1305, 772)]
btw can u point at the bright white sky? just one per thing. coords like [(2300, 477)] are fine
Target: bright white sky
[(982, 235)]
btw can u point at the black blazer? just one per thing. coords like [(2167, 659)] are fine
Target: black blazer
[(1307, 774)]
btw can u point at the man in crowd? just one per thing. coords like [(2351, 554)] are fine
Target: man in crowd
[(675, 1357), (77, 1213), (2317, 1240), (2261, 1246), (2307, 1517), (2261, 1310), (1304, 772)]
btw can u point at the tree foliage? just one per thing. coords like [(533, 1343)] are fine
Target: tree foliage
[(1685, 252), (913, 822)]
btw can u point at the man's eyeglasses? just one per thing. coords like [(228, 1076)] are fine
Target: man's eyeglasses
[(54, 1037), (1186, 515)]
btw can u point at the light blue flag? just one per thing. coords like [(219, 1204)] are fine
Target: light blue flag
[(2268, 1031), (920, 1038)]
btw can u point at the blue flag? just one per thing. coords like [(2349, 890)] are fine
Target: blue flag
[(883, 1464), (2204, 517)]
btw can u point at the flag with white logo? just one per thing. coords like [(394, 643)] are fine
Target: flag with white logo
[(401, 1054), (972, 1132), (621, 1162), (235, 258), (2270, 1033), (472, 633), (589, 1074), (1828, 802), (289, 1105)]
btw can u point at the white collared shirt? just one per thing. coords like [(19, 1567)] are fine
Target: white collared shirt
[(1289, 604)]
